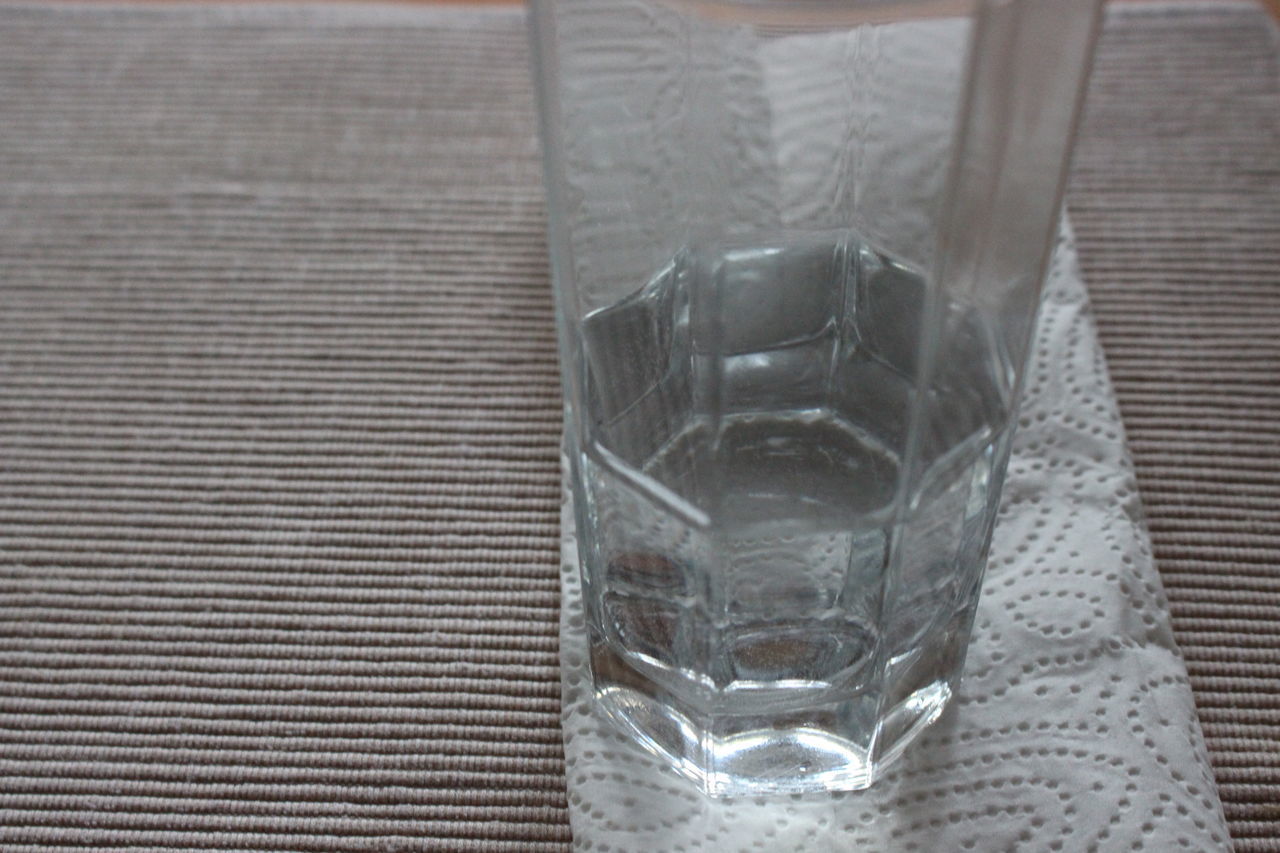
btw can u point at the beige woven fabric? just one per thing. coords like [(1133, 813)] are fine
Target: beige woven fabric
[(279, 416)]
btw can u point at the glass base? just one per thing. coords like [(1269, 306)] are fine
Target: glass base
[(788, 751)]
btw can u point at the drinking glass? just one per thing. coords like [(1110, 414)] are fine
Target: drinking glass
[(797, 249)]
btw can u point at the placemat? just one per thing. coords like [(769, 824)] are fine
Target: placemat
[(279, 434), (279, 416), (1176, 203)]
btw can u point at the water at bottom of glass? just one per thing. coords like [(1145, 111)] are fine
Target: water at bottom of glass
[(771, 608)]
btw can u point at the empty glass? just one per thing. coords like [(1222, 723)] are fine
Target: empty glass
[(797, 248)]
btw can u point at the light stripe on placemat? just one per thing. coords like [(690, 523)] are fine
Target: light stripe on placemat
[(1176, 203)]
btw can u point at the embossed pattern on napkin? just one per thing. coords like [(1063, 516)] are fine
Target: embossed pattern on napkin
[(1074, 728)]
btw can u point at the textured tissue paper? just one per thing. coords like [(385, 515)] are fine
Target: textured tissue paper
[(1074, 728)]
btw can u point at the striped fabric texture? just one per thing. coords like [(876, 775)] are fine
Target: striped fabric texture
[(279, 435), (279, 416), (1176, 204)]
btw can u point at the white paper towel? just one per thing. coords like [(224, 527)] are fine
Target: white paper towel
[(1074, 728)]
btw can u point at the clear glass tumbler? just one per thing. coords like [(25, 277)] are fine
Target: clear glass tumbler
[(797, 247)]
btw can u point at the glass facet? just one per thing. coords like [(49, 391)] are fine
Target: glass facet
[(797, 251)]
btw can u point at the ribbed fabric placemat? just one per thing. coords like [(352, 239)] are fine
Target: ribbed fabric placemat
[(1176, 203), (279, 416), (279, 434)]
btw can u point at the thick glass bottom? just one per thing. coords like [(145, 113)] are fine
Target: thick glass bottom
[(821, 747)]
